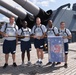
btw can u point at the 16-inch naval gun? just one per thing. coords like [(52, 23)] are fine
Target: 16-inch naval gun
[(21, 14), (7, 13), (35, 10)]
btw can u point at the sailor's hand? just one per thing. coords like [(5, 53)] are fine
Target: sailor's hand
[(64, 37), (38, 37), (5, 35), (34, 36)]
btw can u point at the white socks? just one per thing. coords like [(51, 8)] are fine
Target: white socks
[(39, 60)]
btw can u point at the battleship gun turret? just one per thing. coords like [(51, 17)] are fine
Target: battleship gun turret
[(7, 13), (36, 11), (21, 14)]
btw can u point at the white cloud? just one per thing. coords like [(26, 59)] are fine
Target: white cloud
[(34, 1), (5, 19), (43, 2), (52, 0)]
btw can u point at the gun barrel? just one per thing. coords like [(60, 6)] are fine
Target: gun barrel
[(36, 11), (29, 6), (10, 7), (7, 13)]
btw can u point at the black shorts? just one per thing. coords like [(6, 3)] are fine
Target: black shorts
[(9, 47), (66, 48), (25, 46), (39, 43)]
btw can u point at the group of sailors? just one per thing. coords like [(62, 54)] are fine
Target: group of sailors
[(11, 34)]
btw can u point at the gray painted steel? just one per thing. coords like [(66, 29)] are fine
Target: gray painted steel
[(7, 13), (16, 11), (29, 6)]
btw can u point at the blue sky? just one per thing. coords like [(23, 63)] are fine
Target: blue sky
[(44, 4)]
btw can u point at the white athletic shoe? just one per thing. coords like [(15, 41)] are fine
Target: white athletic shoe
[(22, 64), (37, 63), (29, 63)]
